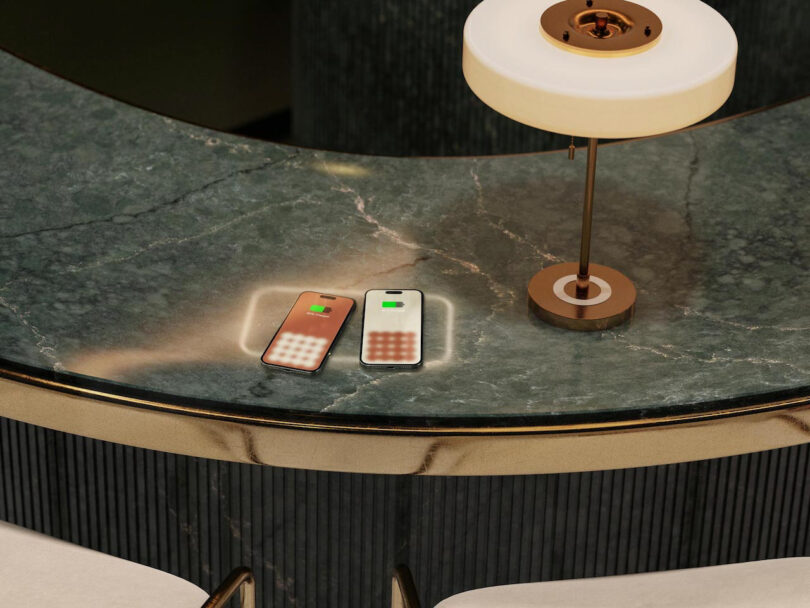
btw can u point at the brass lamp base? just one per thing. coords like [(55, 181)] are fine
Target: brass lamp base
[(609, 300)]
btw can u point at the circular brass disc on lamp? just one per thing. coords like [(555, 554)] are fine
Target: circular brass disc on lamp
[(552, 293), (601, 27)]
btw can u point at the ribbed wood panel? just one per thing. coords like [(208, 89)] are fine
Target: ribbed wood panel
[(331, 539), (384, 76)]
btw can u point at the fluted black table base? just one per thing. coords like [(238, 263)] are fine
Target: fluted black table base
[(318, 539)]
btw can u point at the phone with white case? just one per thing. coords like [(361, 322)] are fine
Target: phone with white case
[(392, 329)]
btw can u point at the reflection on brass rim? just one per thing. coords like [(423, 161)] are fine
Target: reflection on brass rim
[(359, 448), (103, 396)]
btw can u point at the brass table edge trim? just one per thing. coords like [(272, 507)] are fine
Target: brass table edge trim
[(793, 403)]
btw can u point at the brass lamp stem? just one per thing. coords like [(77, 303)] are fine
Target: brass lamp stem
[(581, 301), (583, 276)]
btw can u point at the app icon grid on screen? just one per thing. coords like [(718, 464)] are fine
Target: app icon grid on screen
[(391, 346), (297, 350)]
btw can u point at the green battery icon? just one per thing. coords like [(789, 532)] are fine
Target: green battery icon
[(390, 304), (317, 308)]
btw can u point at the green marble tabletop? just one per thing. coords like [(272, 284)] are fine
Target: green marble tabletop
[(149, 255)]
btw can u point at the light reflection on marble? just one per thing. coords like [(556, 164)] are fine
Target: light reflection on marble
[(132, 246)]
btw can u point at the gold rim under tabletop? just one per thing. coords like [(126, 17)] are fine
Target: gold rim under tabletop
[(362, 448), (564, 24)]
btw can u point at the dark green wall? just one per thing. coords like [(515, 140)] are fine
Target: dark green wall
[(384, 76), (373, 76)]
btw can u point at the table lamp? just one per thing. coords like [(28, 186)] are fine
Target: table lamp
[(597, 69)]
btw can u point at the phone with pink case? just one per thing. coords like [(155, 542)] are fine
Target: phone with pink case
[(311, 328)]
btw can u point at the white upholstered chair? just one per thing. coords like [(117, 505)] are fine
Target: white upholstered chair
[(37, 570), (775, 583)]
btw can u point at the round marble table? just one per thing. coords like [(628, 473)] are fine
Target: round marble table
[(146, 263)]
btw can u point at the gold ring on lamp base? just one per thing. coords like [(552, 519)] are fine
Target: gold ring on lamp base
[(610, 300)]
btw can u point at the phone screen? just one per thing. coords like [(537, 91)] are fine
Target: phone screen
[(306, 336), (392, 328)]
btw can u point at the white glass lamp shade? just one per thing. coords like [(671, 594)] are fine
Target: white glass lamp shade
[(513, 68)]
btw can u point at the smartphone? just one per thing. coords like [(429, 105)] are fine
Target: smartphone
[(392, 328), (305, 338)]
